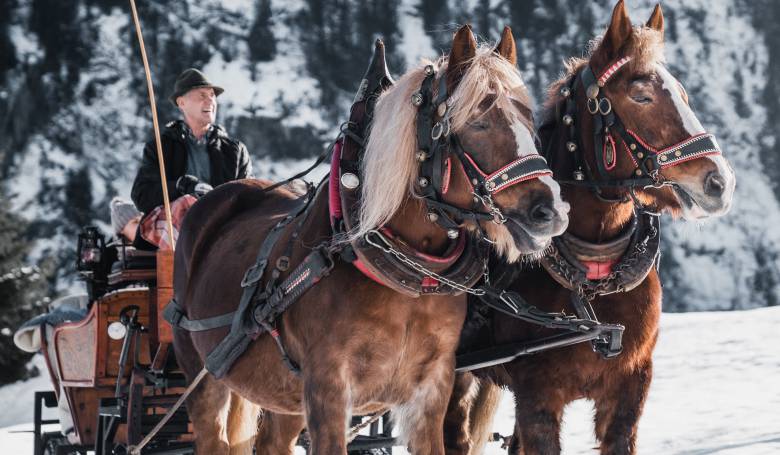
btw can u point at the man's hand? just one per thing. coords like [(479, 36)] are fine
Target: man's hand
[(189, 184), (202, 188)]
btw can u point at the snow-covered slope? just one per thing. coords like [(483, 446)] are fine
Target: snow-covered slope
[(74, 114), (715, 391)]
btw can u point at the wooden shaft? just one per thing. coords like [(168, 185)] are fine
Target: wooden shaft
[(160, 160)]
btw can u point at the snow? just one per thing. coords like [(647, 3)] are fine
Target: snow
[(715, 390)]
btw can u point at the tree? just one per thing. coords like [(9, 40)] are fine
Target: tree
[(22, 292)]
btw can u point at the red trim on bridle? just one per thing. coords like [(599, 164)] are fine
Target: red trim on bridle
[(497, 178), (611, 70), (445, 186)]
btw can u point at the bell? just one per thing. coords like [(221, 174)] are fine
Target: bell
[(579, 175), (421, 155), (422, 181), (565, 92), (571, 146), (349, 180), (567, 120), (453, 233), (432, 217), (417, 99), (429, 70)]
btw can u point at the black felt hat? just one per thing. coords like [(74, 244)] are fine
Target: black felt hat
[(190, 79)]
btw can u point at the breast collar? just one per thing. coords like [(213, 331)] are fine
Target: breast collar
[(621, 264), (610, 135)]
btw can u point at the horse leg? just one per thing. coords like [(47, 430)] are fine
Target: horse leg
[(208, 406), (421, 419), (278, 433), (618, 409), (538, 415), (457, 418), (242, 424), (326, 401)]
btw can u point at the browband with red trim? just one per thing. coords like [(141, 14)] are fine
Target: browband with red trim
[(525, 168), (691, 148)]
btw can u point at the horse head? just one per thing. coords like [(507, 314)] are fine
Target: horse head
[(636, 117), (455, 138)]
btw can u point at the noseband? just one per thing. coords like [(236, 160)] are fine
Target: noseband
[(435, 144), (610, 134)]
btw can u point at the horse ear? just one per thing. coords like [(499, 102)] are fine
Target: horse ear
[(464, 48), (656, 21), (619, 30), (506, 46)]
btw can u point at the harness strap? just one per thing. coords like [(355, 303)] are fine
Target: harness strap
[(177, 317)]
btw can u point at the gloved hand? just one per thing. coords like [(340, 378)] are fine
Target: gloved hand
[(202, 188), (189, 184)]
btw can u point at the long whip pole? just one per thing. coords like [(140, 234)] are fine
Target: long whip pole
[(160, 159)]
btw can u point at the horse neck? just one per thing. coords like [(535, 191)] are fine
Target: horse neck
[(412, 225), (594, 220)]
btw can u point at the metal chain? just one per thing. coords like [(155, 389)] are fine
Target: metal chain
[(388, 248)]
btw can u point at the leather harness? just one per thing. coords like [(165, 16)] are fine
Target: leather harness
[(593, 269)]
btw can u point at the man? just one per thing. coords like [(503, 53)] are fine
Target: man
[(198, 154)]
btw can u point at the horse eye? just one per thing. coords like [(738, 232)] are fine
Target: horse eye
[(642, 99), (479, 125)]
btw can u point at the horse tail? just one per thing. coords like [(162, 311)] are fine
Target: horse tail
[(483, 409), (241, 425)]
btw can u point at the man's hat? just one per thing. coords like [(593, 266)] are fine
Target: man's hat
[(190, 79)]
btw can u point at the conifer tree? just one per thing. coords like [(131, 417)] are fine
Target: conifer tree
[(22, 290)]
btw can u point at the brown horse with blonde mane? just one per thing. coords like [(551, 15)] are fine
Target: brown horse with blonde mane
[(625, 145), (359, 346)]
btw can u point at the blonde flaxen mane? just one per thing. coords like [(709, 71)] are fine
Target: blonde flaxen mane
[(389, 165)]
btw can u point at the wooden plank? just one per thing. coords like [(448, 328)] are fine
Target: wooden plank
[(76, 347), (164, 294)]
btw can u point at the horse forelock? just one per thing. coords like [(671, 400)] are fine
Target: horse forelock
[(389, 166)]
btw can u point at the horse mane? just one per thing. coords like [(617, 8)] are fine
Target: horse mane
[(389, 165)]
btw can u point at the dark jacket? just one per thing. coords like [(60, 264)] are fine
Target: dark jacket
[(228, 158)]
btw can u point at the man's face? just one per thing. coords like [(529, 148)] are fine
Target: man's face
[(199, 106)]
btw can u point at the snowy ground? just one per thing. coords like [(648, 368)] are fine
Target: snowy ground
[(716, 390)]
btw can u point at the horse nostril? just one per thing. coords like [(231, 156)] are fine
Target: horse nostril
[(714, 184), (542, 213)]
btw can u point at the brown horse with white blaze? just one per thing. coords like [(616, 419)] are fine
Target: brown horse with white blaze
[(621, 138), (361, 346)]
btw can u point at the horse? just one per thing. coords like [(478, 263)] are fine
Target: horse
[(362, 340), (623, 141)]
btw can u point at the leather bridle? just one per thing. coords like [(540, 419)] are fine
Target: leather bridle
[(436, 144), (610, 134)]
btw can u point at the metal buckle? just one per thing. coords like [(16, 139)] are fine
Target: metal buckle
[(283, 263), (440, 129), (253, 274), (605, 106), (593, 106)]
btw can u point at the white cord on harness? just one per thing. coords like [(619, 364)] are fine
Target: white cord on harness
[(136, 450)]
